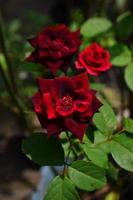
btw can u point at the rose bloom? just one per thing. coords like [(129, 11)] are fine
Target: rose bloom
[(65, 104), (54, 47), (94, 59)]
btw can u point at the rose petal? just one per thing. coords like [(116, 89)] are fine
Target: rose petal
[(49, 105), (81, 81), (32, 57), (39, 109), (33, 41), (53, 128), (45, 85), (75, 128)]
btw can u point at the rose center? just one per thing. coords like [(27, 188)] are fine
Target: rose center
[(67, 102), (97, 55)]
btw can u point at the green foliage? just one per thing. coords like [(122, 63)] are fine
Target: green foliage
[(128, 125), (121, 3), (12, 33), (94, 152), (61, 188), (95, 26), (97, 86), (101, 141), (43, 150), (105, 120), (112, 172), (87, 176), (36, 20), (3, 62), (124, 25), (121, 148), (120, 55), (129, 76)]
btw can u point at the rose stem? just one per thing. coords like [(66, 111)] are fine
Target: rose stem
[(71, 148)]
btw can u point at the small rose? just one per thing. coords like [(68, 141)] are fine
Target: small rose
[(94, 59)]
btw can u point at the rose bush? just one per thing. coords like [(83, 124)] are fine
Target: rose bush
[(54, 47), (78, 131), (94, 59), (92, 143), (65, 104)]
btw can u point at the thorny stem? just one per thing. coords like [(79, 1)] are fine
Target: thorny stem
[(4, 50)]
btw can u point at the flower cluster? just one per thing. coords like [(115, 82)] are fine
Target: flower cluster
[(66, 103)]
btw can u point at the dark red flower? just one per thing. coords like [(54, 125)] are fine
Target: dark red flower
[(65, 103), (94, 59), (54, 47)]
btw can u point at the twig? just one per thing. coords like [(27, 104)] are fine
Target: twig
[(65, 163)]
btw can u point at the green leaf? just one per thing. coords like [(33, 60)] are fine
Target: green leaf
[(97, 86), (101, 141), (29, 67), (124, 25), (105, 121), (86, 175), (100, 123), (122, 151), (94, 152), (61, 189), (112, 172), (129, 76), (3, 62), (120, 55), (29, 91), (43, 150), (14, 26), (120, 4), (95, 26), (128, 125)]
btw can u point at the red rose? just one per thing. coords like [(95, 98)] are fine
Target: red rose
[(94, 59), (65, 103), (54, 47)]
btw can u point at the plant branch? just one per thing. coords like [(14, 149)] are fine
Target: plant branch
[(71, 148), (71, 145), (65, 163), (109, 138), (4, 50), (13, 97)]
